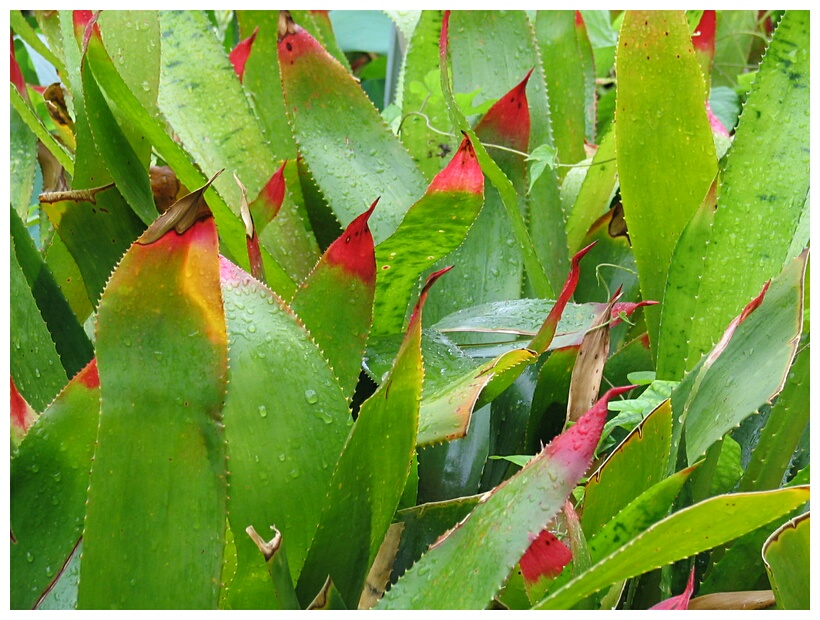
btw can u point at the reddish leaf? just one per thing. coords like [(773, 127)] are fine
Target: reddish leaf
[(267, 204), (714, 122), (627, 307), (239, 54), (251, 238), (681, 601), (508, 121), (85, 23), (462, 174), (344, 280), (545, 335), (353, 250), (16, 74), (546, 557), (703, 38), (22, 415)]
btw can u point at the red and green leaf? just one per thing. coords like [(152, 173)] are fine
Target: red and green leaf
[(469, 564), (335, 302), (352, 157), (286, 421), (49, 481), (432, 228), (162, 358), (239, 54), (370, 475)]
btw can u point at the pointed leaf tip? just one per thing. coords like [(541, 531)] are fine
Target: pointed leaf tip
[(431, 280), (508, 121), (85, 22), (239, 55), (354, 249), (462, 174), (576, 445), (681, 601)]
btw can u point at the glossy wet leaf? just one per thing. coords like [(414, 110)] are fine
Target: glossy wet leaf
[(189, 89), (421, 94), (685, 533), (161, 313), (231, 230), (595, 193), (492, 51), (335, 302), (747, 368), (616, 484), (431, 229), (49, 479), (666, 139), (786, 554), (129, 173), (685, 273), (641, 512), (490, 266), (370, 475), (285, 423), (771, 457), (34, 362), (506, 522), (563, 68), (23, 162), (353, 158), (540, 283), (763, 188), (72, 345)]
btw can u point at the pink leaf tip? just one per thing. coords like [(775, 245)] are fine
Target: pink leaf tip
[(239, 55), (354, 249)]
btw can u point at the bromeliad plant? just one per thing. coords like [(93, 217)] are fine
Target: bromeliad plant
[(237, 393)]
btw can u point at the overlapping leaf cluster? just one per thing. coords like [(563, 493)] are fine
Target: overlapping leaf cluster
[(235, 385)]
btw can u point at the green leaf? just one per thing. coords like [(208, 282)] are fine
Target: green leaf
[(538, 278), (232, 233), (27, 115), (662, 138), (135, 35), (786, 554), (286, 421), (565, 79), (67, 275), (424, 524), (160, 430), (189, 91), (129, 173), (747, 368), (35, 365), (49, 479), (63, 593), (466, 568), (679, 302), (779, 438), (640, 513), (431, 229), (614, 485), (370, 475), (354, 158), (422, 94), (683, 534), (753, 236), (489, 262), (594, 196), (72, 344), (23, 162)]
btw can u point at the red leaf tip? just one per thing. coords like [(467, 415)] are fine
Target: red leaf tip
[(462, 174), (431, 279), (545, 557), (354, 249), (239, 55), (575, 446), (87, 22)]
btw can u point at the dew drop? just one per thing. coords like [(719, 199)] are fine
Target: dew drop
[(311, 396), (263, 411)]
